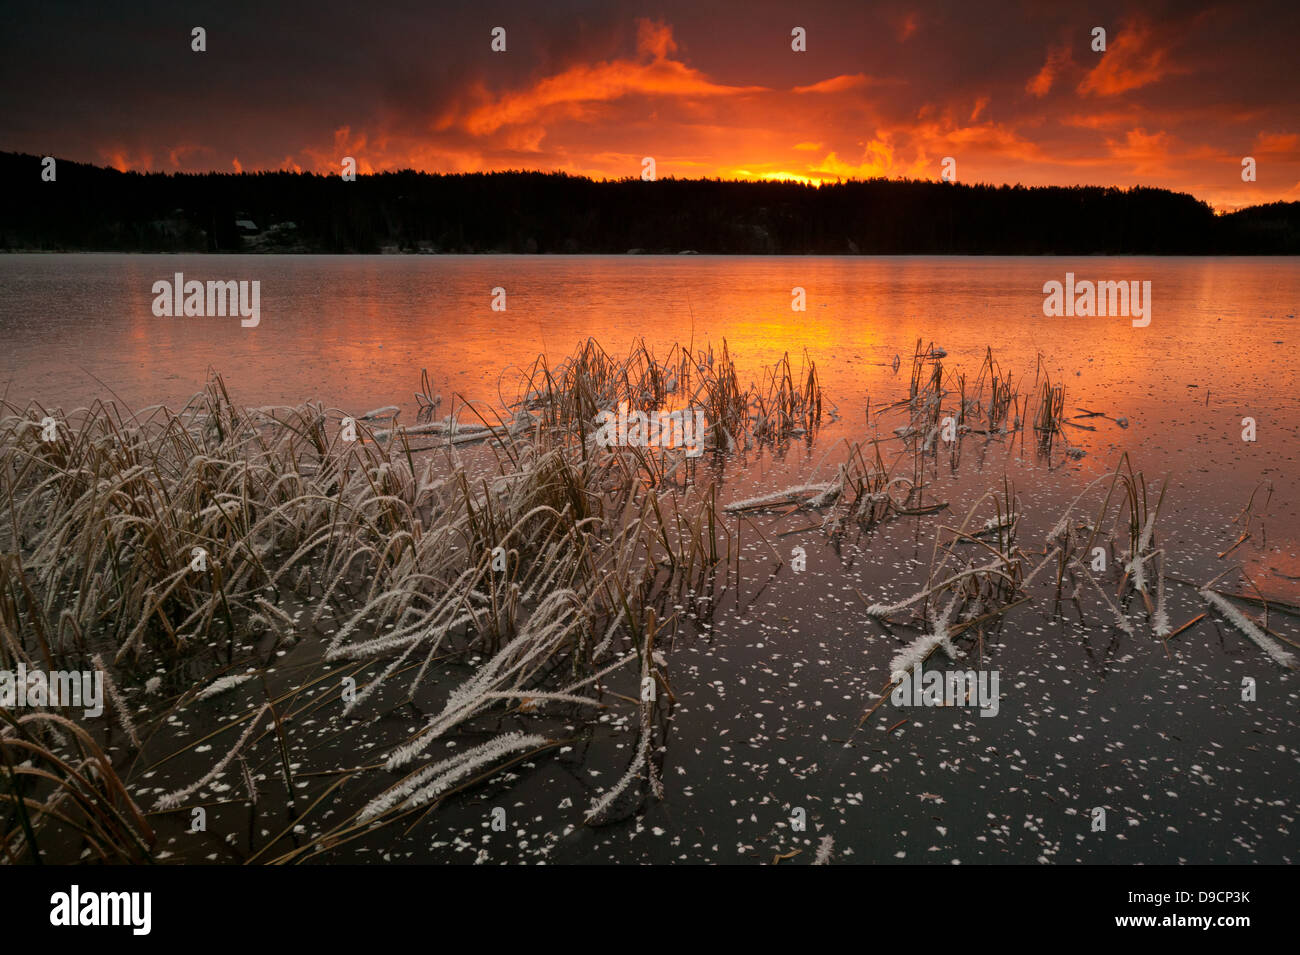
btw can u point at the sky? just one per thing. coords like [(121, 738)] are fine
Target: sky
[(1012, 92)]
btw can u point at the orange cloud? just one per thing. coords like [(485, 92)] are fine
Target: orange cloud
[(177, 154), (1109, 120), (1281, 144), (120, 158), (345, 144), (655, 39), (1132, 60), (836, 84), (1148, 152), (877, 161), (652, 73), (1041, 83), (601, 117)]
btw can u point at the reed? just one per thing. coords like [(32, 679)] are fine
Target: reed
[(497, 572), (170, 540)]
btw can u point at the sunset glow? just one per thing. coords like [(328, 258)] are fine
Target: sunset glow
[(1176, 100)]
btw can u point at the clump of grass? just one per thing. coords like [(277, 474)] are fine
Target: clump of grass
[(58, 786), (1002, 396), (1050, 413), (176, 541), (968, 587), (787, 401), (503, 578)]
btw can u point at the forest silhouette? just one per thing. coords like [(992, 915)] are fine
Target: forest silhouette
[(91, 208)]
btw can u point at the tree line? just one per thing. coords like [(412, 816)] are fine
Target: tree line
[(88, 208)]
